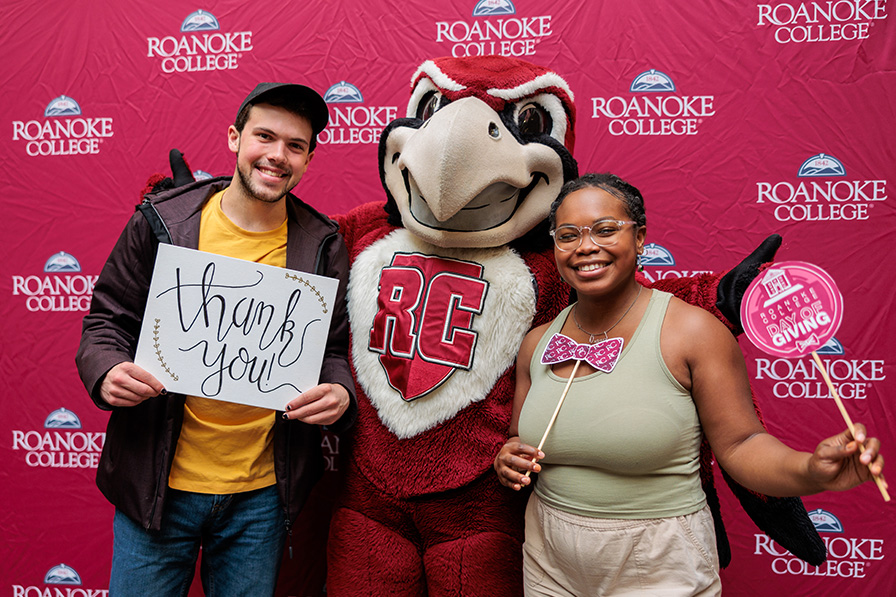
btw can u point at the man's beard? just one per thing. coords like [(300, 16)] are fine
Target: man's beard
[(253, 192)]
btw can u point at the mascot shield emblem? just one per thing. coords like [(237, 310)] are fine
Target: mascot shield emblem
[(423, 326)]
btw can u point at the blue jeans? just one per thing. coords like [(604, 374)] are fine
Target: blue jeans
[(241, 535)]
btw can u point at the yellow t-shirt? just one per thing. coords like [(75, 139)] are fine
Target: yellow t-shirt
[(226, 447)]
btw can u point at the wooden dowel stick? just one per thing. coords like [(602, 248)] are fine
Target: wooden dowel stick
[(824, 374), (557, 410)]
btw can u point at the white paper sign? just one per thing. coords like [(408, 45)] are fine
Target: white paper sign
[(234, 330)]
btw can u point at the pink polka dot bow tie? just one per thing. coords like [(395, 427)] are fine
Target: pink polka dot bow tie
[(602, 356)]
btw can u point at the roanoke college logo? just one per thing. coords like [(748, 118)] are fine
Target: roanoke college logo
[(59, 581), (819, 22), (853, 378), (204, 47), (351, 122), (62, 575), (652, 81), (494, 30), (343, 93), (659, 257), (654, 110), (821, 165), (63, 132), (200, 21), (61, 288), (62, 262), (825, 522), (831, 347), (63, 106), (847, 557), (487, 8), (826, 194), (62, 419), (656, 255), (61, 444)]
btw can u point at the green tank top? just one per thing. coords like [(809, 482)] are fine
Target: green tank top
[(625, 444)]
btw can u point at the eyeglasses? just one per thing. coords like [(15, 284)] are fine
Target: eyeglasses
[(604, 233)]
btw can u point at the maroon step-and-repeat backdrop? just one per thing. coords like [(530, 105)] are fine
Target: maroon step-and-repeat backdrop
[(736, 119)]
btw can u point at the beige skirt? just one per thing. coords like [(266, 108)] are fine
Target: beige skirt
[(570, 555)]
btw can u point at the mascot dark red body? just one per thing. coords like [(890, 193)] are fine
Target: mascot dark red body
[(447, 277)]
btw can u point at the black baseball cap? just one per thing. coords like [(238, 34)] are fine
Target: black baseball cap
[(317, 107)]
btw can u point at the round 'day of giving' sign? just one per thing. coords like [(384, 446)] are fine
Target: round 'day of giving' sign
[(791, 309)]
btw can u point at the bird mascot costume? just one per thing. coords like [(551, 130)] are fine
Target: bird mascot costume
[(448, 275)]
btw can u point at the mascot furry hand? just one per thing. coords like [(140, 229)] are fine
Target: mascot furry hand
[(447, 277)]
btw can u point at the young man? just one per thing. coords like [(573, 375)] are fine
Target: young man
[(184, 471)]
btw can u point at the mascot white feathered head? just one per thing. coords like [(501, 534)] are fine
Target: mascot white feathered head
[(486, 146)]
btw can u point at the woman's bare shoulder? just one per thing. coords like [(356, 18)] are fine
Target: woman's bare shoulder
[(532, 338)]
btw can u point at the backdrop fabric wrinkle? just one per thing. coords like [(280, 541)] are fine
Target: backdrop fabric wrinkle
[(751, 99)]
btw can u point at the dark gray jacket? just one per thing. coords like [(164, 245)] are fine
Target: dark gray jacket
[(141, 440)]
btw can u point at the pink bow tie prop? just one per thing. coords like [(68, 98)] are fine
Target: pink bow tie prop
[(602, 356)]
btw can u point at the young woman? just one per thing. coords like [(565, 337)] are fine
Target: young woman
[(618, 506)]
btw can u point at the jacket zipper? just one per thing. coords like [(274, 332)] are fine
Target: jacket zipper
[(317, 266), (286, 505)]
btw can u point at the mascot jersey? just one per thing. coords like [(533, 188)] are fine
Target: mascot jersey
[(447, 277)]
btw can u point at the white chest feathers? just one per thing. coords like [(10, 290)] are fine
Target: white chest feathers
[(434, 328)]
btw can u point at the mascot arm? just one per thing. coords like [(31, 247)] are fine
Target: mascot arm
[(180, 175), (721, 294), (700, 291), (362, 226), (733, 285)]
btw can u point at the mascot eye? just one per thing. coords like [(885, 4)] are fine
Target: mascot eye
[(534, 120), (430, 104)]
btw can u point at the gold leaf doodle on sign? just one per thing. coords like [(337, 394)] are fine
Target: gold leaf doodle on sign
[(155, 337), (311, 287)]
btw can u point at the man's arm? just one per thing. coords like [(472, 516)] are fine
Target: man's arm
[(112, 326)]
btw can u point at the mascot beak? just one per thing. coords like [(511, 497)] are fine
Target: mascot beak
[(464, 172)]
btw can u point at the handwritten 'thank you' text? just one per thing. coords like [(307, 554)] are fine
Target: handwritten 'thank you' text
[(244, 339)]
